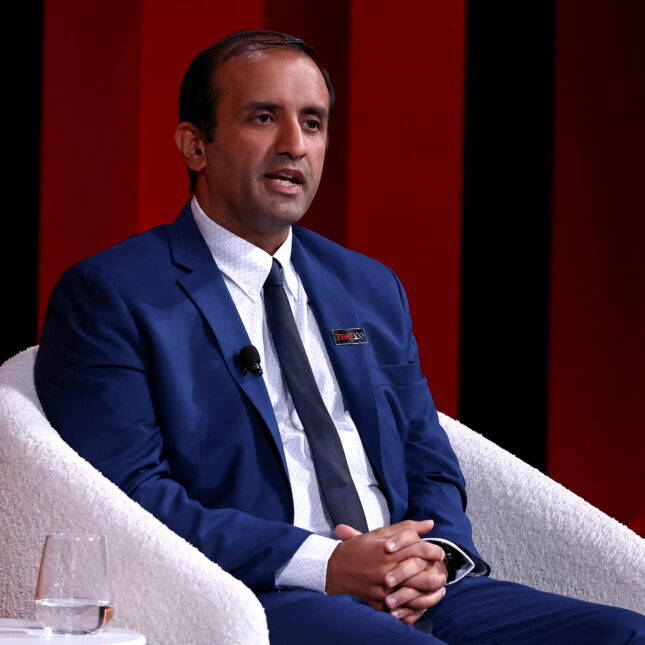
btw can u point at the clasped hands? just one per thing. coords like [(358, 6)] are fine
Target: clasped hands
[(390, 568)]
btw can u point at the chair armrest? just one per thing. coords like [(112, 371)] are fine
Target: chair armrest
[(164, 587), (534, 531)]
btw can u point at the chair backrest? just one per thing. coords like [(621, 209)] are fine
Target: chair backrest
[(164, 587)]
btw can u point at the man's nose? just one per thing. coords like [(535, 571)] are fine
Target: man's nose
[(290, 139)]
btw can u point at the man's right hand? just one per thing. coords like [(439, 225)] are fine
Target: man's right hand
[(372, 565)]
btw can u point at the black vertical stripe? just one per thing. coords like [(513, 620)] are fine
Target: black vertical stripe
[(21, 148), (506, 226)]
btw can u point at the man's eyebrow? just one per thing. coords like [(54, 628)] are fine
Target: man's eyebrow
[(314, 110), (261, 105), (321, 113)]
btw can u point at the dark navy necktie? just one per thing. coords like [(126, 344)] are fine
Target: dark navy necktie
[(336, 484)]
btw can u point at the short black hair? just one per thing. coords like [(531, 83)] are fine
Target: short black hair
[(198, 94)]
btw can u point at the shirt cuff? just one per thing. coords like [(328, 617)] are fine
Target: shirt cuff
[(307, 568), (463, 567)]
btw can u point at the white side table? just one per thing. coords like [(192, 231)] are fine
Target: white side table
[(22, 632)]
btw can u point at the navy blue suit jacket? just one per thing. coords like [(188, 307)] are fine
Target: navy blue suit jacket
[(138, 370)]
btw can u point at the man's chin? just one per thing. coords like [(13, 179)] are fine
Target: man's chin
[(282, 217)]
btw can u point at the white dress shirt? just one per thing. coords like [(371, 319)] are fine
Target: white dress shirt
[(245, 268)]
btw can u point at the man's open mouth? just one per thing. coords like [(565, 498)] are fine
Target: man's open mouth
[(286, 178)]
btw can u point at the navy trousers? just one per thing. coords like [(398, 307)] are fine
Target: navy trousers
[(475, 611)]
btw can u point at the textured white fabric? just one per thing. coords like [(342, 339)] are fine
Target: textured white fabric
[(532, 530), (164, 587), (528, 527)]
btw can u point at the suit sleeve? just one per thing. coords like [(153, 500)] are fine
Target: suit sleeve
[(436, 485), (94, 378)]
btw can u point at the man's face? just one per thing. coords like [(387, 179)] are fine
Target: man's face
[(263, 167)]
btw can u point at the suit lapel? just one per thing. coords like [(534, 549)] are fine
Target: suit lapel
[(205, 286), (333, 309)]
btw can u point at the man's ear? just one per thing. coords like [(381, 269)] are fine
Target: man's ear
[(191, 145)]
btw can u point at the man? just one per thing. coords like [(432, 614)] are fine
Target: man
[(262, 457)]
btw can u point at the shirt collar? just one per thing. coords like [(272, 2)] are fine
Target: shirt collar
[(240, 261)]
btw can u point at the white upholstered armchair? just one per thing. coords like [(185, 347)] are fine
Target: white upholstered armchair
[(529, 528)]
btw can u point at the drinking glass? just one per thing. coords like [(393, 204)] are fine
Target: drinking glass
[(74, 593)]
